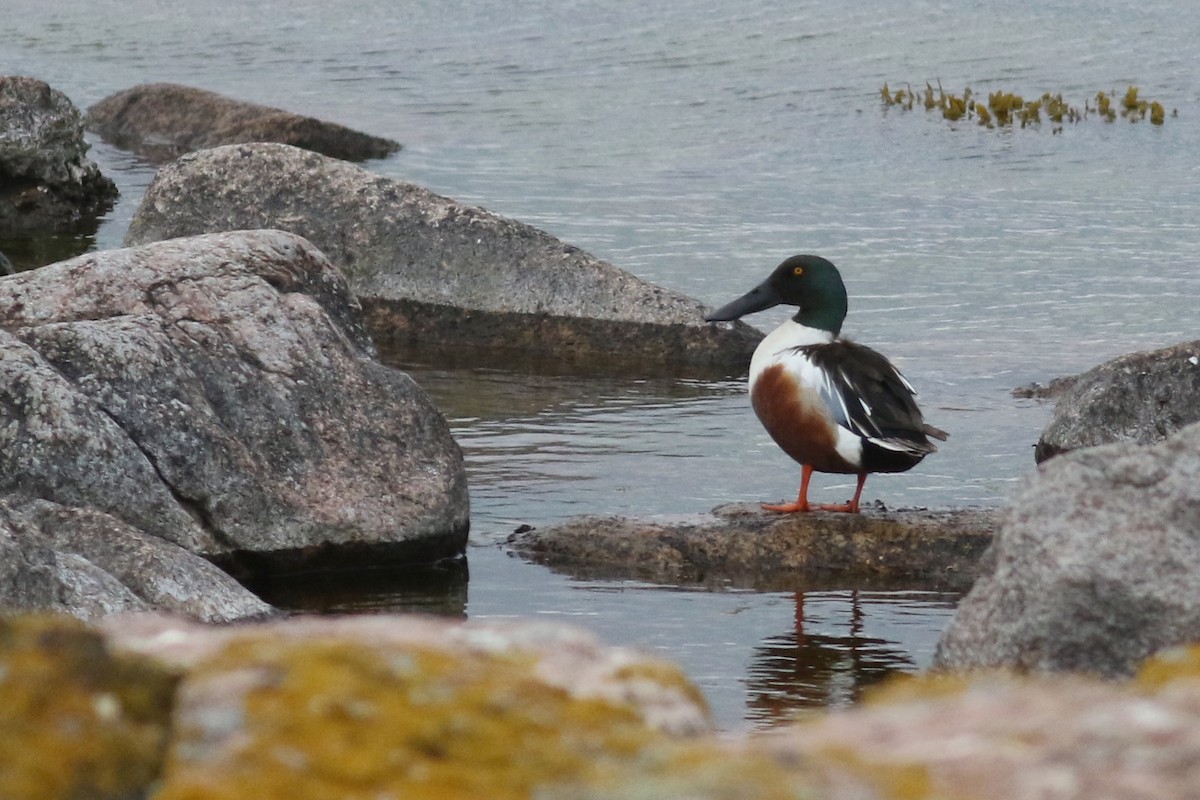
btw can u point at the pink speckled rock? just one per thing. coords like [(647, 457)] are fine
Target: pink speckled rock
[(219, 393)]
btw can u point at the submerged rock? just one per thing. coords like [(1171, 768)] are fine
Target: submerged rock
[(218, 393), (1141, 398), (47, 184), (767, 551), (432, 271), (162, 121), (1095, 565)]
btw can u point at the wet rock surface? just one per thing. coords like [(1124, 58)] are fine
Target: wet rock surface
[(218, 393), (764, 550), (1140, 398), (435, 272), (47, 183), (162, 121), (1095, 565)]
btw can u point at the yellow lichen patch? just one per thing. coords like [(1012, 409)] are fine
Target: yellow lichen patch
[(703, 771), (665, 675), (74, 720), (909, 687), (344, 720), (895, 781), (1168, 666)]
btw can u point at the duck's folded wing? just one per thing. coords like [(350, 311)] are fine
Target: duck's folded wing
[(868, 396)]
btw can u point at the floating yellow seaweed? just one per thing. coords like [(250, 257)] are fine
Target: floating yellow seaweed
[(1004, 109)]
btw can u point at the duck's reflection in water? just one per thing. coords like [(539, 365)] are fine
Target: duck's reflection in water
[(828, 658)]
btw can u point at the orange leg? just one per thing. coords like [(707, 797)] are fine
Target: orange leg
[(802, 504)]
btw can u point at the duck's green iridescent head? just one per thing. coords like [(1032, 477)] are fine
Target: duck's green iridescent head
[(810, 282)]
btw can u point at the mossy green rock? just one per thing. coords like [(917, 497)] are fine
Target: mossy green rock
[(75, 720)]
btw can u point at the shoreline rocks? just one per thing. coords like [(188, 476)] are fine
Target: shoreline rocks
[(162, 121), (767, 551), (218, 393), (47, 183), (432, 271), (89, 564), (1140, 398), (1095, 565)]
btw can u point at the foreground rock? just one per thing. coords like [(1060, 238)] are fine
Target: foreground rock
[(217, 393), (379, 706), (1141, 398), (432, 271), (1095, 566), (77, 720), (767, 551), (997, 737), (162, 121), (47, 184), (407, 707)]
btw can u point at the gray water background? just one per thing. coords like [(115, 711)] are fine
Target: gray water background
[(696, 145)]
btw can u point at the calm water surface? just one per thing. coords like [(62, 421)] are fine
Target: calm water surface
[(697, 146)]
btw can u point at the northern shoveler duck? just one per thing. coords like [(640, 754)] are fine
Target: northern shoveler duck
[(831, 404)]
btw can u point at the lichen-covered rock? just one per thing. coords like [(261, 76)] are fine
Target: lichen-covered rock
[(217, 393), (762, 550), (423, 708), (47, 184), (1141, 398), (165, 120), (77, 721), (560, 656), (1095, 565), (409, 706), (432, 271), (1000, 737)]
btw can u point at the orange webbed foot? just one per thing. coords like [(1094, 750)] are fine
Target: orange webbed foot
[(849, 507), (787, 508)]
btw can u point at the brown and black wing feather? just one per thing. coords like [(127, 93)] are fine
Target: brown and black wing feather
[(869, 396)]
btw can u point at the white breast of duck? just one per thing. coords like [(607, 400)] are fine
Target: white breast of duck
[(833, 404)]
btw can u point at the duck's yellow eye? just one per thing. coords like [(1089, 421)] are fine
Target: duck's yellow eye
[(798, 271)]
